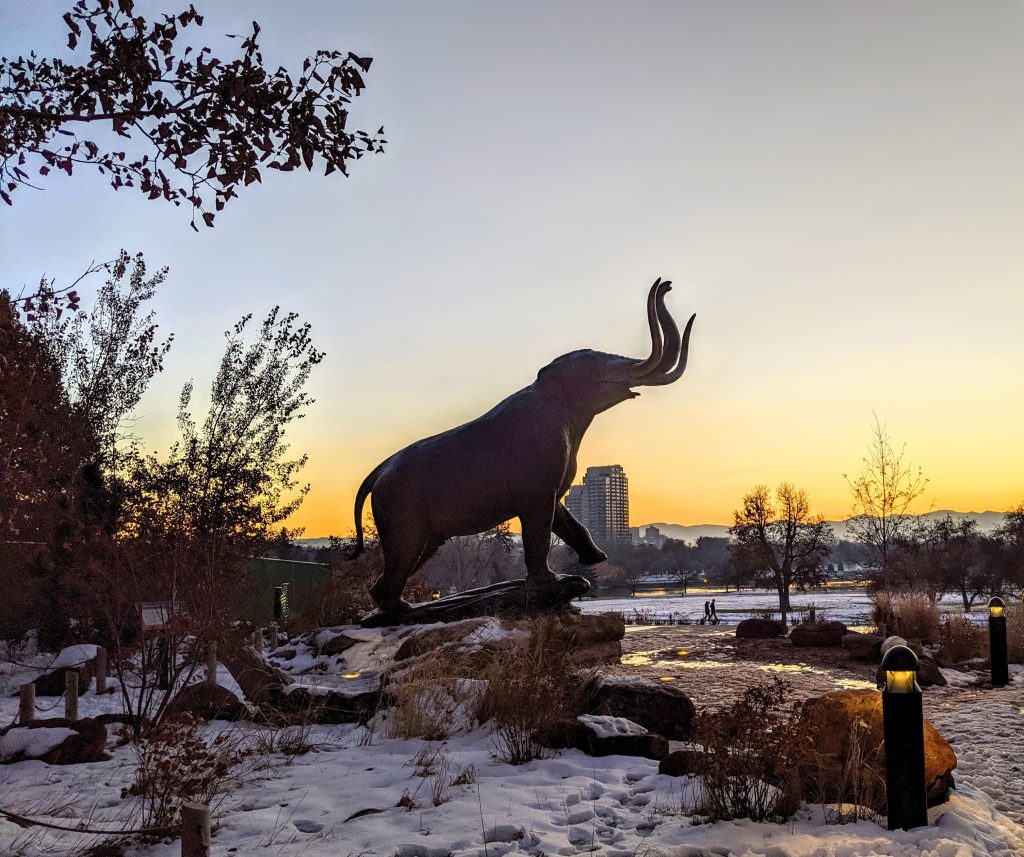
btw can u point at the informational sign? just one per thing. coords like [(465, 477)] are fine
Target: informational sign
[(156, 614)]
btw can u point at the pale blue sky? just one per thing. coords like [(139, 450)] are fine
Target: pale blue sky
[(835, 188)]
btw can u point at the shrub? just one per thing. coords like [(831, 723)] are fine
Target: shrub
[(176, 765), (908, 614), (531, 685), (751, 757), (960, 640)]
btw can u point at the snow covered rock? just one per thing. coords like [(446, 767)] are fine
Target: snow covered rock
[(832, 722), (655, 705), (599, 735), (78, 658), (421, 641), (209, 701), (818, 634), (56, 741), (335, 645), (760, 629)]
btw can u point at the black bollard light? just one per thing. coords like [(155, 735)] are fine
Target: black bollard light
[(903, 731), (997, 642)]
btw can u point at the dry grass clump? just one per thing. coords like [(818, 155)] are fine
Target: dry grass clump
[(751, 757), (1015, 633), (960, 640), (432, 698), (906, 614), (530, 685)]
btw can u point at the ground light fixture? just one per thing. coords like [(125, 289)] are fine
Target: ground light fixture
[(997, 642), (903, 730)]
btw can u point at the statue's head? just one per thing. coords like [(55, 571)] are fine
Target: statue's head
[(596, 381)]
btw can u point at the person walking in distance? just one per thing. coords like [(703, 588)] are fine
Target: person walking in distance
[(707, 613), (714, 615)]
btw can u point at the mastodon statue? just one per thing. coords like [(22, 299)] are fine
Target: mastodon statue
[(517, 460)]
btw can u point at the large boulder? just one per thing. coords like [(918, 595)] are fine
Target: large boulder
[(655, 705), (208, 701), (56, 741), (847, 723), (818, 634), (863, 647), (603, 736), (760, 629)]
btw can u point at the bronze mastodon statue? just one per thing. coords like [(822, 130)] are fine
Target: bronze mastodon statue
[(517, 460)]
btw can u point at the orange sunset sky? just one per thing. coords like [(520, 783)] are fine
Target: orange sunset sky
[(834, 188)]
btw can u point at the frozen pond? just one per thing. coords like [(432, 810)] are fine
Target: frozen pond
[(849, 606)]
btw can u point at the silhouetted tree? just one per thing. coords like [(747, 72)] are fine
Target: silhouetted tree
[(198, 126), (779, 541), (882, 496)]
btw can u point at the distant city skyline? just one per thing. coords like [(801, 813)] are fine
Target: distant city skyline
[(834, 188)]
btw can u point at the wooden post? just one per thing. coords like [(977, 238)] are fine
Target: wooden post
[(71, 695), (274, 640), (257, 640), (195, 830), (100, 668), (27, 703), (811, 613), (211, 662)]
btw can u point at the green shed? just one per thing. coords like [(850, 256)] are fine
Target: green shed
[(267, 573)]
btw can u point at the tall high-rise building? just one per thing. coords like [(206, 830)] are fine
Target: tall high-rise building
[(601, 504)]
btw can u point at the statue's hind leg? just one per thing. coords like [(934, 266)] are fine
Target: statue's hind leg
[(401, 561)]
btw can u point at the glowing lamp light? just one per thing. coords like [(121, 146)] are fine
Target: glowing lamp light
[(996, 607), (435, 595), (667, 678), (682, 653), (900, 666), (350, 675)]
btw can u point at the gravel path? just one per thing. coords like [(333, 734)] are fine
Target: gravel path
[(985, 726)]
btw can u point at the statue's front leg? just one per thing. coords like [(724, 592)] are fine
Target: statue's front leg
[(576, 536)]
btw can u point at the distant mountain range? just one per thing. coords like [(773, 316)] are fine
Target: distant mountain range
[(987, 521)]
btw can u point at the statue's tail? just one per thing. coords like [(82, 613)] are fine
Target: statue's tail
[(361, 495)]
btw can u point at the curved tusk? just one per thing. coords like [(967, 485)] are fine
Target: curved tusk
[(655, 304), (675, 374)]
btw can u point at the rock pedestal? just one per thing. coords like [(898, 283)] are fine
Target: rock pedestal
[(510, 599)]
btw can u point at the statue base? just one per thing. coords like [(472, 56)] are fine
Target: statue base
[(511, 598)]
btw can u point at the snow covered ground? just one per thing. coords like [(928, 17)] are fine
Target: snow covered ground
[(850, 607), (360, 794)]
